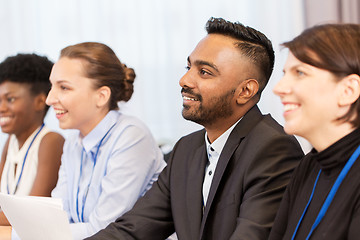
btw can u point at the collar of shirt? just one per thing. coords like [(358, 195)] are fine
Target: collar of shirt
[(219, 143), (213, 152), (94, 137)]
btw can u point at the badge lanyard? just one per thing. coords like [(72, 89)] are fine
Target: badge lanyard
[(23, 164), (330, 196), (81, 219)]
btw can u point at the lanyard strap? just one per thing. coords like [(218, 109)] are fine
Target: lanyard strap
[(306, 207), (331, 194), (23, 164), (81, 218)]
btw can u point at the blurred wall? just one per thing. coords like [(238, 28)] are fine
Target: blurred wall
[(154, 37)]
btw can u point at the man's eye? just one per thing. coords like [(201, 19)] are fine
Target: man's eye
[(187, 68), (203, 72)]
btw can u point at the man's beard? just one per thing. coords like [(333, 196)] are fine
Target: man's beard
[(218, 107)]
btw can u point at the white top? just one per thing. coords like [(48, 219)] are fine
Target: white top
[(15, 156)]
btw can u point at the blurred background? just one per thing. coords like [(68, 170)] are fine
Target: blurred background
[(155, 38)]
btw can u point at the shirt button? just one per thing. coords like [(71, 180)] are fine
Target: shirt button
[(210, 172), (211, 149)]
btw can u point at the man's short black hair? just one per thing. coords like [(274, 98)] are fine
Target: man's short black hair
[(252, 43)]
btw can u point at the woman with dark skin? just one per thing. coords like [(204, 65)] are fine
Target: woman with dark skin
[(31, 156)]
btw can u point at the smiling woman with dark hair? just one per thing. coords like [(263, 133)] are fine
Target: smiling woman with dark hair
[(31, 157), (320, 91)]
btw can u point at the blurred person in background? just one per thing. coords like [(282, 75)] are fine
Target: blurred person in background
[(31, 156)]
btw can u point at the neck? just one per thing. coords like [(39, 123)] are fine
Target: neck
[(214, 131), (321, 141), (217, 128), (24, 135), (92, 123)]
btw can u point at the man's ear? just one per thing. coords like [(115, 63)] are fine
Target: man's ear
[(349, 90), (246, 90), (103, 96), (39, 102)]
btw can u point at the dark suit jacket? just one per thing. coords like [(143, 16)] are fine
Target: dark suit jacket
[(251, 175)]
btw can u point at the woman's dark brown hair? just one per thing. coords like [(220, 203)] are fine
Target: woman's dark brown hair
[(103, 66), (335, 48)]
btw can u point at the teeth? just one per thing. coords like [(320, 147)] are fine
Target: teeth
[(289, 107), (58, 112), (190, 99), (4, 120)]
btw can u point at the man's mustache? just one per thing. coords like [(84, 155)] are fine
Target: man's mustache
[(190, 92)]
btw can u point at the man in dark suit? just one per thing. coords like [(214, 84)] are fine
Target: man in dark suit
[(225, 181)]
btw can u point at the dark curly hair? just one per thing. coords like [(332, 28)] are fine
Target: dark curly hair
[(30, 69), (252, 43)]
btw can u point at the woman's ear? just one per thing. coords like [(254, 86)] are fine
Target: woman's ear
[(103, 96), (246, 90), (350, 90)]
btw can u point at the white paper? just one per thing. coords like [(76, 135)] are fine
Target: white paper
[(39, 218)]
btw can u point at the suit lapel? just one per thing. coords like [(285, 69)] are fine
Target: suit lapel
[(251, 118), (228, 150), (195, 182)]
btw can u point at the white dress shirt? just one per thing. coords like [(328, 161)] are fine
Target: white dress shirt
[(213, 152)]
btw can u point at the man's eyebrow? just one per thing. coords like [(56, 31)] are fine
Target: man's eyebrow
[(9, 93), (202, 62)]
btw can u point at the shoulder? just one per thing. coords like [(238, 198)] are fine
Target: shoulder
[(266, 144), (305, 170), (51, 145), (258, 128), (306, 166), (130, 130), (5, 149), (52, 139), (197, 135), (271, 126), (195, 138), (269, 131), (126, 121), (187, 146)]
